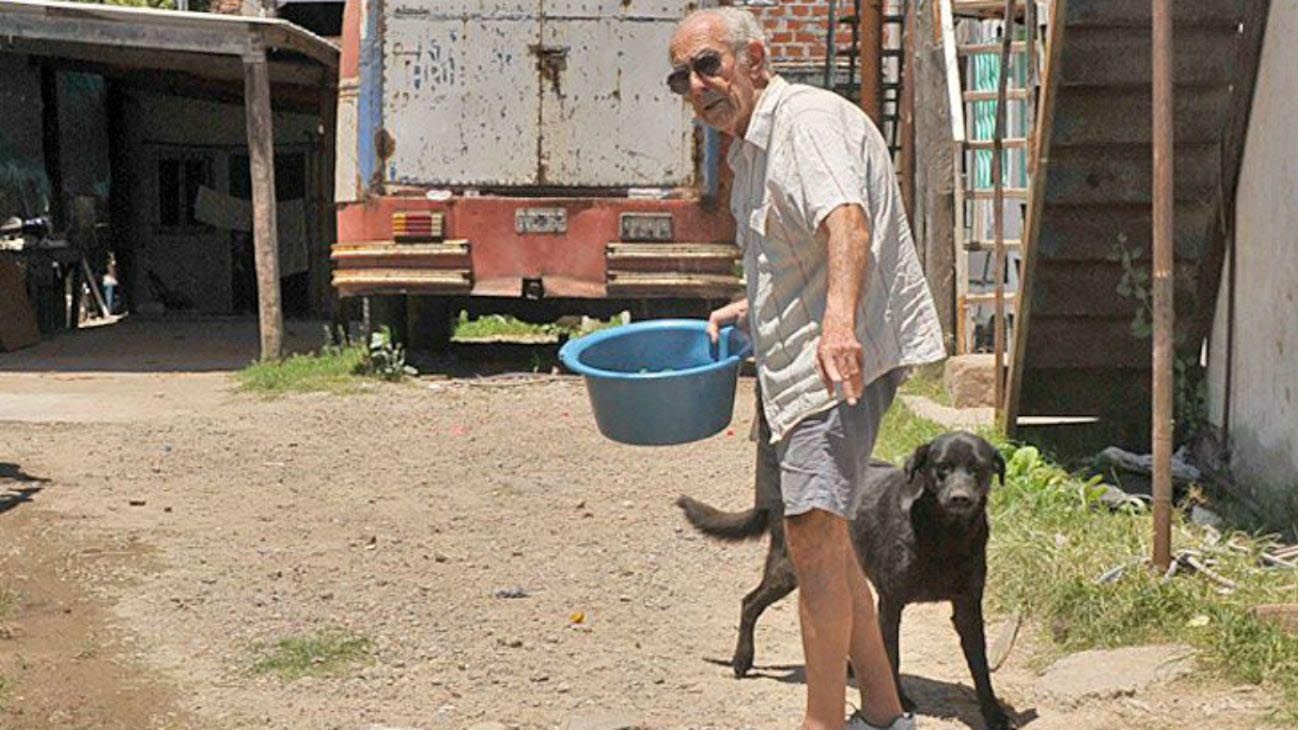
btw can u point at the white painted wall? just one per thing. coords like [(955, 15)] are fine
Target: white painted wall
[(1262, 417)]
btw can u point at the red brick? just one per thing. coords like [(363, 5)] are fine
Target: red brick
[(820, 11), (781, 37), (800, 10), (806, 37)]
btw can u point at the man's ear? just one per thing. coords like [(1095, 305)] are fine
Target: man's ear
[(755, 56)]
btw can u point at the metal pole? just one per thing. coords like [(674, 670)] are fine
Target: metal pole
[(828, 74), (1162, 266), (999, 222), (869, 30)]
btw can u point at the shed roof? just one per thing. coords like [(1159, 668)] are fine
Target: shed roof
[(122, 41)]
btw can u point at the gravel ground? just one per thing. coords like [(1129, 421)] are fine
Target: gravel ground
[(162, 538)]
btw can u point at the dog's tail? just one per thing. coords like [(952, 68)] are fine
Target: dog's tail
[(729, 526)]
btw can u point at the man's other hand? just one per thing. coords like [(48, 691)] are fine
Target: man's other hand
[(734, 313), (839, 360)]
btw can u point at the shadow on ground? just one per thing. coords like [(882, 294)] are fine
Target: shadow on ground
[(11, 497)]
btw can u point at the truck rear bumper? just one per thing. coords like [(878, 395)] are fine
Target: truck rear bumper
[(482, 253)]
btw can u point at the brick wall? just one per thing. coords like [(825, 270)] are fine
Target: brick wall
[(796, 29)]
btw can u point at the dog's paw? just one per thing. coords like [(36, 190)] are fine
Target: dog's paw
[(741, 665), (997, 720)]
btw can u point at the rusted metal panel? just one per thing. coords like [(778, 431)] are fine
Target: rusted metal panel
[(608, 120), (520, 93), (460, 97)]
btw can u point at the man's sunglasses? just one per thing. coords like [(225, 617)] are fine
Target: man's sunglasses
[(707, 64)]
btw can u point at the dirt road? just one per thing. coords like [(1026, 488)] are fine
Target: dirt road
[(151, 544)]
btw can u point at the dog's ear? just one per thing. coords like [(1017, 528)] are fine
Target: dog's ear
[(1000, 467), (915, 485), (916, 461)]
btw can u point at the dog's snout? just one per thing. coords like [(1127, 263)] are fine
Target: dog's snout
[(961, 500)]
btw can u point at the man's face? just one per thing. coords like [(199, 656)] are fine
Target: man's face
[(722, 88)]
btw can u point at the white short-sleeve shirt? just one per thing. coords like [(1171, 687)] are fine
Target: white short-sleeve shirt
[(806, 152)]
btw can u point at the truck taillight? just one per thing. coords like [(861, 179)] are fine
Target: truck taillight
[(417, 225), (645, 227)]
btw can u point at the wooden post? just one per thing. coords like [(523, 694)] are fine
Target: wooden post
[(907, 111), (934, 161), (999, 217), (261, 164), (869, 31), (1162, 266)]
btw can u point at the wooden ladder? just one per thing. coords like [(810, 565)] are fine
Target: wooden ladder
[(980, 207)]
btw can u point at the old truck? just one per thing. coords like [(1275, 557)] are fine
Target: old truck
[(523, 157)]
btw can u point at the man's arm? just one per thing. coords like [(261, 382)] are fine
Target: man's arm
[(839, 354)]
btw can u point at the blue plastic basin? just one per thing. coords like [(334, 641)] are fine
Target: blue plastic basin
[(659, 382)]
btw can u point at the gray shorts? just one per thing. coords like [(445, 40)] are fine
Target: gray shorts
[(819, 464)]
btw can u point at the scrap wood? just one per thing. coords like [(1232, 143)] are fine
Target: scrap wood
[(1189, 559), (1006, 639)]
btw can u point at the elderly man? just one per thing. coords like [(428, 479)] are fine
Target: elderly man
[(837, 307)]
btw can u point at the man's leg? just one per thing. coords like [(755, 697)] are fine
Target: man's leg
[(819, 542), (871, 667)]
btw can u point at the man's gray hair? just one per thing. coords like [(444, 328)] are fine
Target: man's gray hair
[(739, 28)]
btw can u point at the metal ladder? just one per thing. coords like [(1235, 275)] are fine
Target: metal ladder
[(977, 220), (892, 66)]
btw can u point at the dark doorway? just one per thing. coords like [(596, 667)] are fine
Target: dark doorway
[(290, 187)]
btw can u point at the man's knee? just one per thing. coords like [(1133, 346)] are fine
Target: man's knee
[(816, 540)]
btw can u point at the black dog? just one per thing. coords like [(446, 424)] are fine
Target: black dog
[(920, 534)]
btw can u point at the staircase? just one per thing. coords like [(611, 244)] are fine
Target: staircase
[(1080, 374)]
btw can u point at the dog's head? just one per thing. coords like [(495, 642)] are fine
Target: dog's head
[(956, 470)]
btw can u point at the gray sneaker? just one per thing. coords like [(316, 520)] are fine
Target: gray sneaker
[(903, 722)]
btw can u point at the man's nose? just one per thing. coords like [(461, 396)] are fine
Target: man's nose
[(697, 83)]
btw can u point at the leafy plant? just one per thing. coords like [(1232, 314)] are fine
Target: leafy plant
[(1190, 406), (385, 358)]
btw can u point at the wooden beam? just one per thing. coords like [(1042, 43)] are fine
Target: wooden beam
[(261, 161), (933, 221), (907, 112), (1042, 135), (871, 34), (115, 33), (205, 66)]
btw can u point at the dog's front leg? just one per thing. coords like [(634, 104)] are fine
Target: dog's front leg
[(891, 615), (968, 618), (778, 582)]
